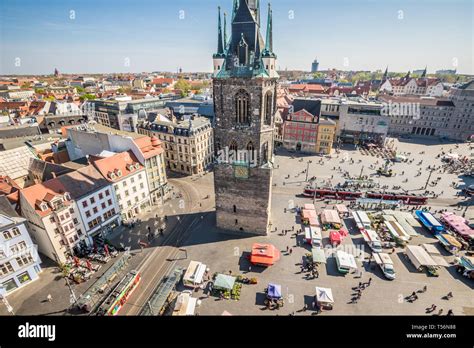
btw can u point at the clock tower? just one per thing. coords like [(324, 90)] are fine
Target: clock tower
[(244, 88)]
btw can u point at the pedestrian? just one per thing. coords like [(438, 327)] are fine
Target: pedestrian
[(305, 307), (291, 251), (370, 281), (393, 250), (292, 228), (49, 298), (360, 285), (449, 295), (450, 312), (424, 288), (287, 248), (440, 311), (250, 268)]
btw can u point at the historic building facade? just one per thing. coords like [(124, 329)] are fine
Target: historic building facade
[(245, 90)]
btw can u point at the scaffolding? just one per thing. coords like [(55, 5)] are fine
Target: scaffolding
[(157, 303)]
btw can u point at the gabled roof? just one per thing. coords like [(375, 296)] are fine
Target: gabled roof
[(117, 164), (313, 106), (149, 146)]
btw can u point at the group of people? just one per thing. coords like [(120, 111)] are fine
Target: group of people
[(358, 290)]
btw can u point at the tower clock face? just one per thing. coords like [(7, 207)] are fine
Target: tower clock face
[(241, 172)]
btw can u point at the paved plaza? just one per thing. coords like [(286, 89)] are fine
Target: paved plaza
[(224, 253)]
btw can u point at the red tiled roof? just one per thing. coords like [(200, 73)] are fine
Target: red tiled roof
[(149, 146), (162, 81), (36, 194), (118, 163)]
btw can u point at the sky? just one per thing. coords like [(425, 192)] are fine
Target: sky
[(102, 36)]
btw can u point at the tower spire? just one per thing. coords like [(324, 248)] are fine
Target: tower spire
[(225, 31), (385, 74), (269, 40), (423, 75), (235, 7), (220, 48)]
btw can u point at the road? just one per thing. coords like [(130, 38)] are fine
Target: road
[(160, 260)]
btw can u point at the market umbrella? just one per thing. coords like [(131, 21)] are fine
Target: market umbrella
[(88, 264)]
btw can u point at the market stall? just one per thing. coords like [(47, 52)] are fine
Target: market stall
[(324, 298), (330, 219), (264, 255), (335, 238), (342, 210)]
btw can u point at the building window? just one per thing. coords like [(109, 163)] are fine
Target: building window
[(84, 204), (75, 221), (88, 213), (242, 107), (95, 210), (24, 260), (9, 285), (268, 108), (6, 268), (107, 193), (101, 195), (71, 210), (51, 219), (92, 200), (109, 202)]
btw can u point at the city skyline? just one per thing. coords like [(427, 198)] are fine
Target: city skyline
[(165, 37)]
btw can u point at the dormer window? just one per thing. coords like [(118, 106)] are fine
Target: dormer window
[(130, 167), (43, 206), (67, 197), (118, 172), (137, 166)]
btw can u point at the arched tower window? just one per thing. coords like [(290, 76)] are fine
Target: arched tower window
[(265, 153), (233, 151), (268, 108), (242, 107), (250, 152)]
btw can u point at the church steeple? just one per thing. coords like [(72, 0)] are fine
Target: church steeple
[(220, 46), (225, 31), (235, 7), (268, 51), (423, 75), (385, 74), (407, 76)]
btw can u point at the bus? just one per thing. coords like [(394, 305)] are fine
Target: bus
[(429, 221), (120, 294)]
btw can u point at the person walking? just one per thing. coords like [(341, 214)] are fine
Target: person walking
[(370, 281), (291, 251), (449, 295), (49, 298), (450, 312), (440, 311), (424, 289), (287, 248)]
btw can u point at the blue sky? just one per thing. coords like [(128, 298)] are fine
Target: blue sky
[(149, 35)]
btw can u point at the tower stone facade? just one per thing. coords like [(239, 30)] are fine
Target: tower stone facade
[(244, 89)]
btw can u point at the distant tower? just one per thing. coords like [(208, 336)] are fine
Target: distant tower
[(423, 75), (385, 75), (244, 89), (56, 72), (315, 66)]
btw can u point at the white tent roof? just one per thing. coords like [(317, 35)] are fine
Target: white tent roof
[(324, 295)]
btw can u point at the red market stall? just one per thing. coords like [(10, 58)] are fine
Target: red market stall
[(335, 238), (306, 215), (264, 255)]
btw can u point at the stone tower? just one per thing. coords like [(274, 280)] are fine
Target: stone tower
[(244, 86)]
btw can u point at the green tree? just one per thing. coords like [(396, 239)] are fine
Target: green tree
[(39, 90), (87, 96), (184, 86), (318, 75), (80, 89)]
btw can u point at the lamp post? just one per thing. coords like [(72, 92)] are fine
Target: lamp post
[(307, 171), (428, 180)]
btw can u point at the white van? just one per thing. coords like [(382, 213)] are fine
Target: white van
[(372, 239), (386, 265)]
